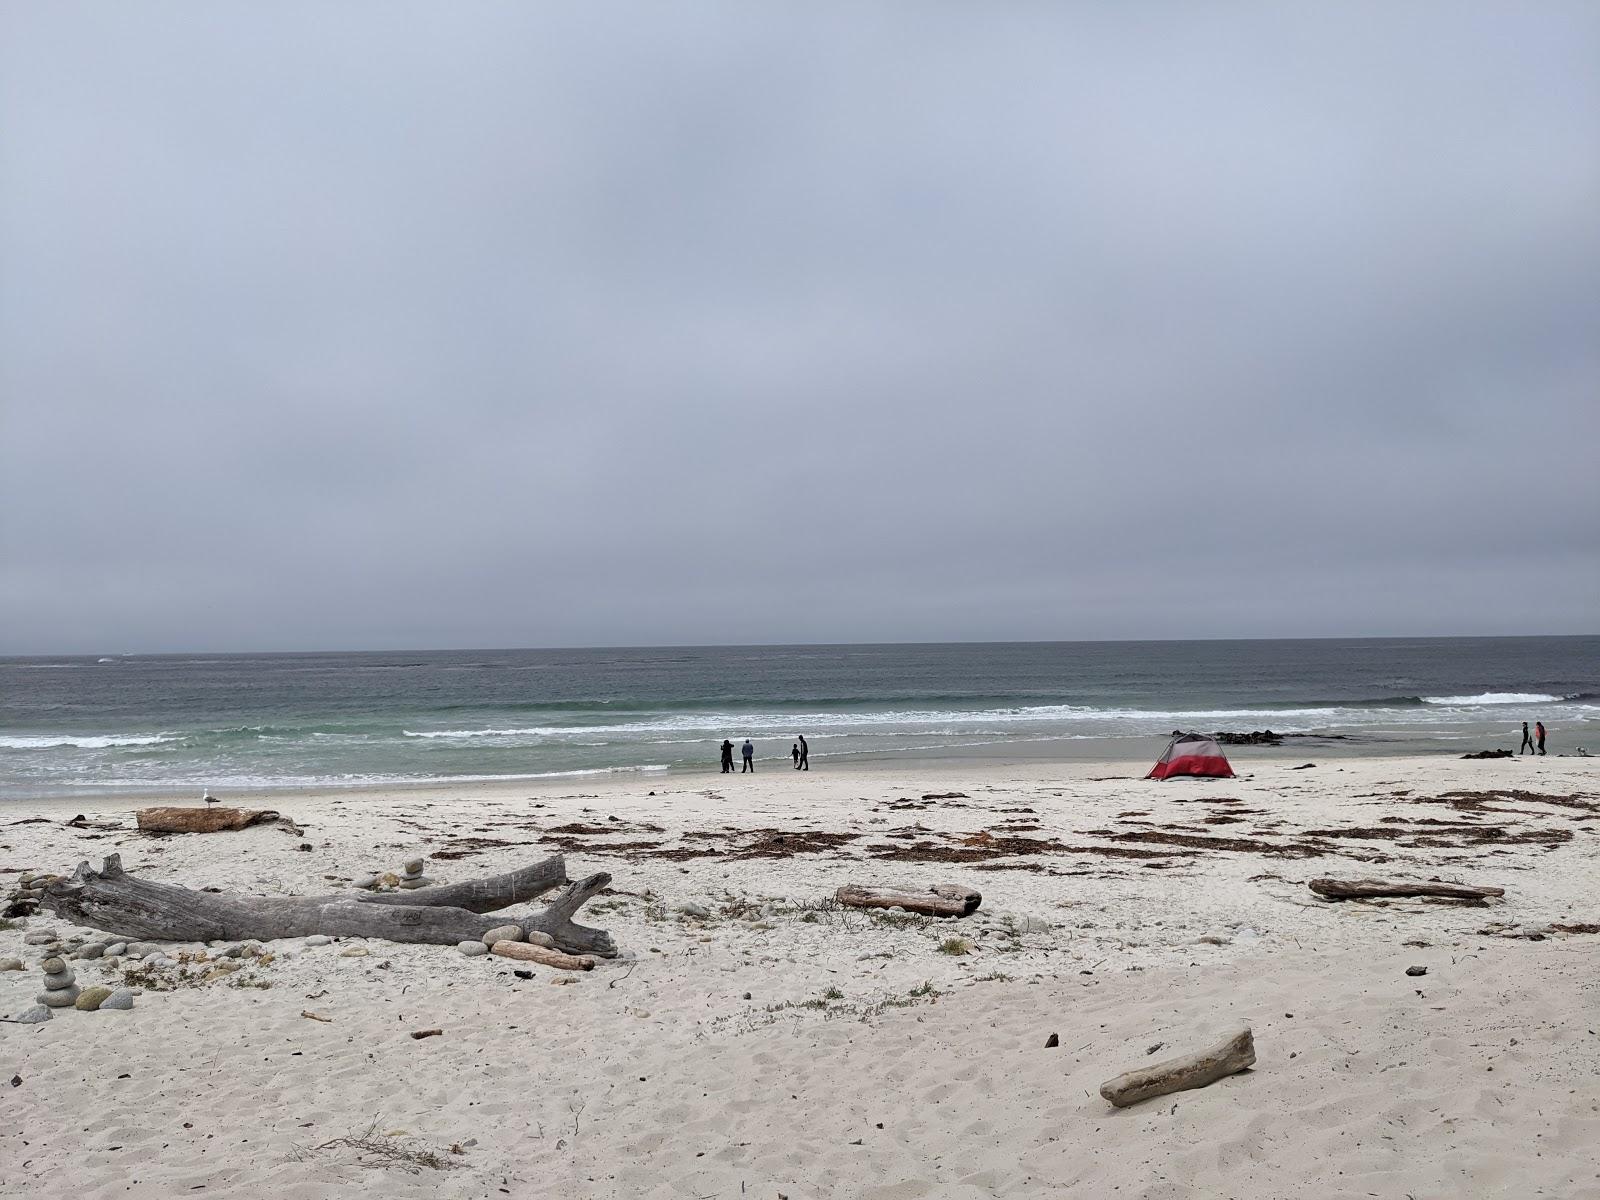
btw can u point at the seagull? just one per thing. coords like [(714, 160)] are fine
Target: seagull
[(209, 798)]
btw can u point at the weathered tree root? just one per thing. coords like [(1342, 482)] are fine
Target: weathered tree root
[(112, 900)]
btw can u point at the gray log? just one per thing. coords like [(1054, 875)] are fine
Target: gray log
[(482, 895), (1362, 889), (112, 900), (1228, 1056), (942, 900)]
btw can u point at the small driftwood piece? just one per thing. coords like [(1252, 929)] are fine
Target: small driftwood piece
[(1366, 889), (209, 819), (941, 900), (530, 952), (1227, 1057), (112, 900)]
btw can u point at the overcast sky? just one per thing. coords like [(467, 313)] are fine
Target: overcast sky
[(383, 325)]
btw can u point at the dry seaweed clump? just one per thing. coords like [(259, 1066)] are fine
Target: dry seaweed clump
[(393, 1149)]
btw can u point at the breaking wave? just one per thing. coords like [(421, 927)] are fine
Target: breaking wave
[(1497, 698), (49, 741)]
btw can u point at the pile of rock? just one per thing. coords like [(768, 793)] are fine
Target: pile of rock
[(60, 985), (414, 878), (23, 900)]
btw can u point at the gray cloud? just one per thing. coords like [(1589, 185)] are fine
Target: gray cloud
[(393, 325)]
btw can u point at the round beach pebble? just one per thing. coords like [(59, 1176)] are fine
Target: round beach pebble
[(122, 998), (32, 1016), (92, 950), (414, 867), (53, 966), (117, 948), (412, 882), (92, 997), (56, 980), (11, 964), (319, 939), (354, 952), (59, 997), (540, 938), (41, 937), (472, 949), (367, 882), (502, 933)]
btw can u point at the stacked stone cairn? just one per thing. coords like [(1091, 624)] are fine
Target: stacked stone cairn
[(60, 985), (414, 878), (388, 880)]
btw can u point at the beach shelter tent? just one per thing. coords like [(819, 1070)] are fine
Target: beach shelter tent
[(1191, 754)]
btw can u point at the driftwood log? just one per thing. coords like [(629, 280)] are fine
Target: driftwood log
[(528, 952), (112, 900), (1366, 889), (941, 900), (1227, 1057), (209, 819)]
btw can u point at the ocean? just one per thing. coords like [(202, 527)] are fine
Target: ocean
[(179, 723)]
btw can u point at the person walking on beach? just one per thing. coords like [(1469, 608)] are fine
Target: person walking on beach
[(749, 753), (727, 756), (804, 764), (1538, 732), (1527, 741), (794, 753)]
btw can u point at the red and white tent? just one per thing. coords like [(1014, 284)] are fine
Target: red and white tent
[(1191, 754)]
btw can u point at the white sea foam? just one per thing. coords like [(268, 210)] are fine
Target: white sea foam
[(46, 741), (1495, 698), (900, 721)]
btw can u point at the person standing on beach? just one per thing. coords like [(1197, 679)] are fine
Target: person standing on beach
[(794, 753), (1538, 731), (727, 756), (1527, 741), (749, 753), (804, 764)]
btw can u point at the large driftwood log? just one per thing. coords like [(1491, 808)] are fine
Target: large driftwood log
[(208, 819), (1196, 1070), (1364, 889), (942, 900), (112, 900), (482, 895)]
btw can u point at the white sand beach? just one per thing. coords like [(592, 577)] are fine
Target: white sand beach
[(780, 1047)]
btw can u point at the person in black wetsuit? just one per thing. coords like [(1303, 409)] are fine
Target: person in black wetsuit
[(727, 756), (1527, 741), (805, 755)]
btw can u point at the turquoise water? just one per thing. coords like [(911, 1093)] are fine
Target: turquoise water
[(295, 720)]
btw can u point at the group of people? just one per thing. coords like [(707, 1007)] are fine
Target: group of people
[(1528, 740), (800, 752)]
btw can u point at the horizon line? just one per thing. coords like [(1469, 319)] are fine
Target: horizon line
[(1431, 637)]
